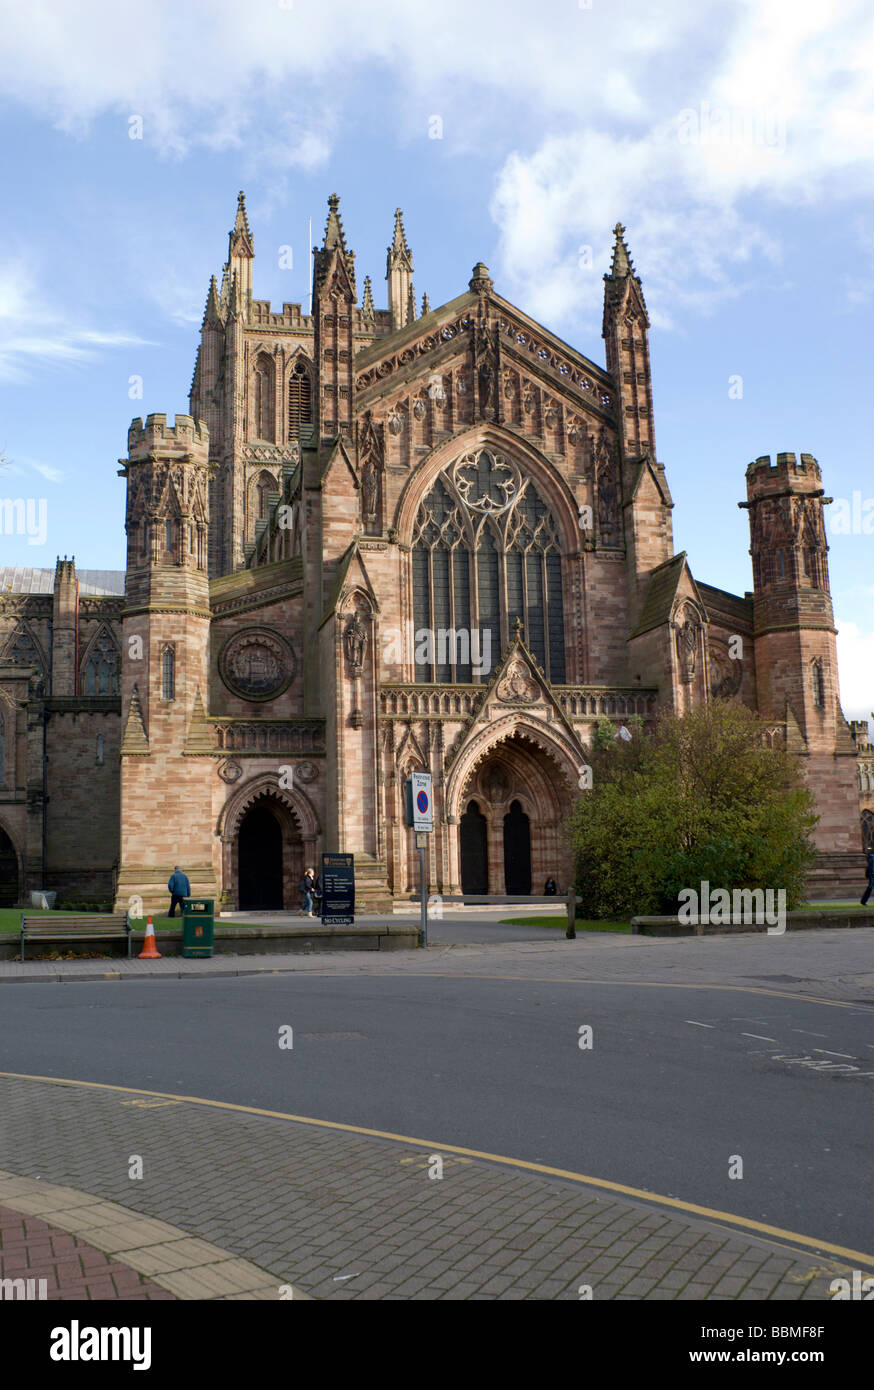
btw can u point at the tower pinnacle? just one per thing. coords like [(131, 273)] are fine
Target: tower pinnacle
[(399, 274)]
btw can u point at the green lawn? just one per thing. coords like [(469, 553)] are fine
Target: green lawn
[(560, 923)]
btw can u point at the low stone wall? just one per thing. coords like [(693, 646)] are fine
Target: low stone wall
[(795, 921), (237, 941)]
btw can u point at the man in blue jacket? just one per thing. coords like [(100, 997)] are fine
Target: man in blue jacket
[(179, 888)]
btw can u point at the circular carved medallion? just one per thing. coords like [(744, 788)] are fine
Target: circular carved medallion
[(306, 772), (230, 771), (257, 664)]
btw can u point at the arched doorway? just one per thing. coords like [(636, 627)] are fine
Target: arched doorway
[(260, 861), (474, 851), (517, 850), (523, 794), (8, 871)]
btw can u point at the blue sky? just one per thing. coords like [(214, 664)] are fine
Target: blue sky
[(734, 141)]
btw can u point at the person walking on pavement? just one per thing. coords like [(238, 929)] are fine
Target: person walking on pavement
[(307, 887), (179, 888), (870, 871)]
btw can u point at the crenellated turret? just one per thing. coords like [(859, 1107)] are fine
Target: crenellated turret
[(165, 657), (795, 650)]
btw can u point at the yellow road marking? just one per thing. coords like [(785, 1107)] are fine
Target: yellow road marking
[(856, 1257)]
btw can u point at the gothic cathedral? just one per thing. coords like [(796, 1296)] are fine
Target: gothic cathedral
[(386, 540)]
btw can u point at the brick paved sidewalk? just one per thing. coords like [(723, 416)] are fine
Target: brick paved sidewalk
[(115, 1254), (350, 1216), (53, 1264)]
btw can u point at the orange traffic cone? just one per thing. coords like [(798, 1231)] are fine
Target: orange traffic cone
[(150, 949)]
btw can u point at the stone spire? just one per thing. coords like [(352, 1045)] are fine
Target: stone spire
[(334, 242), (622, 276), (411, 305), (622, 264), (241, 222), (241, 253), (367, 310), (426, 304), (399, 274), (212, 313), (334, 234)]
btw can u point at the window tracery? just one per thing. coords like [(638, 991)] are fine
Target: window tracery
[(486, 549)]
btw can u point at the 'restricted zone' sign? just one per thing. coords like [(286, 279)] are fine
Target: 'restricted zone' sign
[(419, 802)]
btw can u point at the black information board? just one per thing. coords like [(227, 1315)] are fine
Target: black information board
[(338, 890)]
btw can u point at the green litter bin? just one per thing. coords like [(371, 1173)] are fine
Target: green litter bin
[(197, 927)]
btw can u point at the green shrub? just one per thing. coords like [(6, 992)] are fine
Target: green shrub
[(702, 798)]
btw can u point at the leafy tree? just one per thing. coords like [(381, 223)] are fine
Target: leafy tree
[(703, 797)]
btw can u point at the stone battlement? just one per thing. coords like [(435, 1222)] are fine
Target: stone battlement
[(187, 436), (261, 314), (787, 470)]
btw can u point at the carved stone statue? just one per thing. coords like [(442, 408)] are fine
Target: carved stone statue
[(355, 638), (370, 488), (687, 645)]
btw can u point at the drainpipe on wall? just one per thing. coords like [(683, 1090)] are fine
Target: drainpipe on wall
[(45, 782)]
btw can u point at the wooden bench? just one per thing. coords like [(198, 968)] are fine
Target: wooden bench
[(76, 926)]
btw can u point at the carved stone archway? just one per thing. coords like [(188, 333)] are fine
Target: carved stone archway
[(515, 761), (298, 823)]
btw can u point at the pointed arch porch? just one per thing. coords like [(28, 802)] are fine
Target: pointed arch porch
[(298, 823), (539, 763)]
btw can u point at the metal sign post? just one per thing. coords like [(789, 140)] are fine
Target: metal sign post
[(420, 815), (422, 842)]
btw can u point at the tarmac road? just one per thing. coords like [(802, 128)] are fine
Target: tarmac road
[(678, 1085)]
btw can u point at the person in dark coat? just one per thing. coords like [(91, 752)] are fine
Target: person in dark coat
[(307, 887), (549, 888), (870, 871), (179, 888)]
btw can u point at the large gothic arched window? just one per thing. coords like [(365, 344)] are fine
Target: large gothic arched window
[(486, 550), (100, 668), (300, 399)]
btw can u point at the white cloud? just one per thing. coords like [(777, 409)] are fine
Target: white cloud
[(855, 669), (590, 118), (34, 333)]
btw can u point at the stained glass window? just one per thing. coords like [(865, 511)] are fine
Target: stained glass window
[(486, 549)]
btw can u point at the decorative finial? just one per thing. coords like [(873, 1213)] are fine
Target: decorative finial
[(481, 281), (426, 304), (622, 264), (517, 627), (367, 310)]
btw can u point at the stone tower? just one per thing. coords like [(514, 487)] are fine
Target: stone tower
[(166, 809), (645, 498), (794, 633)]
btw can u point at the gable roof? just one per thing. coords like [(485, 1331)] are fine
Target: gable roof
[(661, 594)]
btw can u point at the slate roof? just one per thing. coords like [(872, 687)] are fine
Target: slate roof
[(663, 584), (19, 579)]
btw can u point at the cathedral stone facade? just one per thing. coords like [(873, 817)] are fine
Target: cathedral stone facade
[(386, 540)]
